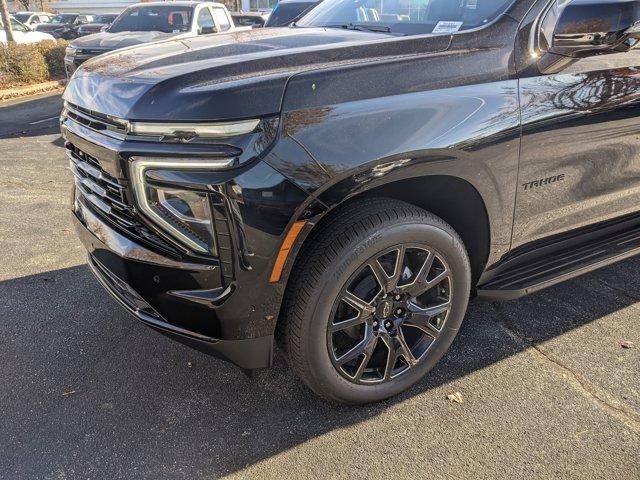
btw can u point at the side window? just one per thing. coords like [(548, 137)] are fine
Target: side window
[(221, 19), (18, 27), (205, 22)]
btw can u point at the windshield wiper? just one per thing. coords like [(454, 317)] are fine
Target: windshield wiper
[(360, 27)]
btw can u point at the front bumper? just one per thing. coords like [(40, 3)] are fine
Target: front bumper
[(225, 305), (125, 268), (72, 63)]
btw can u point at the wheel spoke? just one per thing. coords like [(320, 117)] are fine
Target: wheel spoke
[(438, 279), (397, 347), (352, 322), (357, 303), (392, 356), (368, 352), (388, 283), (357, 350), (421, 317), (419, 284), (404, 350)]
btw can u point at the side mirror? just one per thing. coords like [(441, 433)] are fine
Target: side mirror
[(207, 30), (594, 27)]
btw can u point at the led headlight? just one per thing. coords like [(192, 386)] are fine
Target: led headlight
[(184, 214), (70, 51), (200, 130)]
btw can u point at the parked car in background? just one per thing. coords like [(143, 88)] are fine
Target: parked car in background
[(345, 186), (288, 11), (249, 19), (99, 23), (32, 19), (151, 22), (65, 25), (23, 34)]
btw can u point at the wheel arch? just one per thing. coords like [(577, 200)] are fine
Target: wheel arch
[(451, 198)]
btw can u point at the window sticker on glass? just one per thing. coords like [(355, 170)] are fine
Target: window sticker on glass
[(447, 27)]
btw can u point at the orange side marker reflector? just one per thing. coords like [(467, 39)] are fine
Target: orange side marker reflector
[(285, 249)]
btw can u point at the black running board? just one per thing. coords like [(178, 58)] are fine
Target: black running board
[(551, 269)]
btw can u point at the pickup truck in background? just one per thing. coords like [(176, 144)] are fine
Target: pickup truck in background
[(342, 187), (152, 22), (23, 33)]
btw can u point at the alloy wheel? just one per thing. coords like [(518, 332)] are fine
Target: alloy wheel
[(389, 314)]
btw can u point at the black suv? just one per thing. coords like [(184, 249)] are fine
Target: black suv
[(343, 186)]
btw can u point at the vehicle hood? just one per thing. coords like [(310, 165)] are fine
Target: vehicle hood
[(220, 77), (113, 41), (52, 27)]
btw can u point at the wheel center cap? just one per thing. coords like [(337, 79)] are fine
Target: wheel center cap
[(384, 309)]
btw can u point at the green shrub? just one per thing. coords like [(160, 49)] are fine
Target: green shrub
[(53, 53), (23, 64), (32, 63)]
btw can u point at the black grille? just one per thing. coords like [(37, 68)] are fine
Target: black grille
[(107, 196), (96, 121), (91, 51)]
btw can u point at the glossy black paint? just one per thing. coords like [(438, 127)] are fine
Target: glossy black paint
[(580, 122), (357, 113)]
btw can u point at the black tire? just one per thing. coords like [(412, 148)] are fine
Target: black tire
[(336, 251)]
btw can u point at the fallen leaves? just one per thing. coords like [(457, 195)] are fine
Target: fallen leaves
[(455, 397)]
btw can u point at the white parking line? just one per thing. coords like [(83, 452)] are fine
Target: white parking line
[(45, 120)]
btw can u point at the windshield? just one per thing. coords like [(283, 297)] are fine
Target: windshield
[(287, 12), (168, 19), (22, 17), (105, 18), (405, 16), (64, 19), (16, 26)]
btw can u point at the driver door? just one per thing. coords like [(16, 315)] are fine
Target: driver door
[(205, 23), (580, 158)]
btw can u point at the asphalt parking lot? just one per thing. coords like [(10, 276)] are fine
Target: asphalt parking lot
[(86, 392)]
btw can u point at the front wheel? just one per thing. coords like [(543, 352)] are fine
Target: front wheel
[(377, 298)]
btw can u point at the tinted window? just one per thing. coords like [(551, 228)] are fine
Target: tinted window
[(22, 17), (17, 26), (221, 19), (163, 18), (408, 16), (247, 21), (205, 21), (64, 19), (105, 18), (287, 12)]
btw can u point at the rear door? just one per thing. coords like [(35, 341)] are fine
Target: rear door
[(580, 159)]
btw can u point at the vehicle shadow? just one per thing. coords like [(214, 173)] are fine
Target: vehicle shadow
[(30, 118), (80, 376)]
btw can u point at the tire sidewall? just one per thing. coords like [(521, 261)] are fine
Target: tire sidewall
[(351, 258)]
